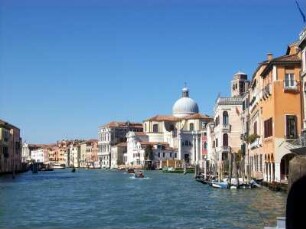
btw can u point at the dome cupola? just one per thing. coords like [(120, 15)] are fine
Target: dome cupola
[(185, 106)]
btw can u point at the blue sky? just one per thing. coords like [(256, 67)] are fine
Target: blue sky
[(68, 67)]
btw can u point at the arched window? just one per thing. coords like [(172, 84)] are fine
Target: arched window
[(225, 118), (191, 126), (225, 139), (155, 128)]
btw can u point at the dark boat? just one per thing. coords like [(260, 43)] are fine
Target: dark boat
[(130, 171), (73, 170), (139, 174)]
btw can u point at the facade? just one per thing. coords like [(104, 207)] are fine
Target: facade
[(184, 130), (281, 112), (74, 155), (302, 46), (225, 132), (137, 144), (255, 132), (112, 134), (117, 154), (92, 160), (26, 154), (40, 155), (10, 148), (83, 154)]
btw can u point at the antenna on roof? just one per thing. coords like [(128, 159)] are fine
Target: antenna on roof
[(301, 11)]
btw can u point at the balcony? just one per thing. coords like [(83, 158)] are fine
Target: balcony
[(290, 86), (226, 128), (225, 148), (256, 143), (266, 92)]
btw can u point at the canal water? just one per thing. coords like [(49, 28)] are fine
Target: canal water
[(112, 199)]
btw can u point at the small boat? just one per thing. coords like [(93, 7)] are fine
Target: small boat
[(58, 166), (222, 185), (130, 171), (139, 174), (73, 170)]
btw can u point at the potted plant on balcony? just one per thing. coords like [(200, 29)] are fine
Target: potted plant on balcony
[(252, 138)]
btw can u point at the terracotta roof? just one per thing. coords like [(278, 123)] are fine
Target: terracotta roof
[(164, 118), (114, 124), (172, 118), (286, 59), (198, 116)]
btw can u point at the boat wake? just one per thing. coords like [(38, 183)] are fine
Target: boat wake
[(144, 178)]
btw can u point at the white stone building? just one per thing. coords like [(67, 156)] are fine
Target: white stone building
[(225, 132), (25, 153), (112, 134), (183, 130), (40, 156), (136, 147)]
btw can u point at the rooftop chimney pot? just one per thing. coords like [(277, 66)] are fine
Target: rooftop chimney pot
[(269, 56)]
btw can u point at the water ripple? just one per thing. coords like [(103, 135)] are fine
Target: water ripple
[(108, 199)]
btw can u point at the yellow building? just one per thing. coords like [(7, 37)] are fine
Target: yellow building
[(280, 110)]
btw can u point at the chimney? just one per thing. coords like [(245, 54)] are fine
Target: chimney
[(269, 56)]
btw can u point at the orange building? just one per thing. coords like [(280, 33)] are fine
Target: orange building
[(280, 110)]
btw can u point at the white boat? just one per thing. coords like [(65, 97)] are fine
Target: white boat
[(58, 166)]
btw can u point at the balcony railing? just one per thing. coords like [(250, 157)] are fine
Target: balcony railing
[(225, 148), (256, 143), (266, 92), (226, 128)]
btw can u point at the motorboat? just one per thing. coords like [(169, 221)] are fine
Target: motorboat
[(138, 174), (222, 184), (130, 170), (58, 166)]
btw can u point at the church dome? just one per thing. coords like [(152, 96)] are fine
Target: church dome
[(185, 106)]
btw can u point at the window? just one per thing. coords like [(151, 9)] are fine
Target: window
[(163, 154), (289, 80), (204, 124), (217, 121), (241, 87), (155, 128), (260, 163), (191, 126), (216, 142), (255, 128), (291, 127), (225, 139), (175, 155), (268, 128), (205, 146), (158, 154), (225, 118)]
